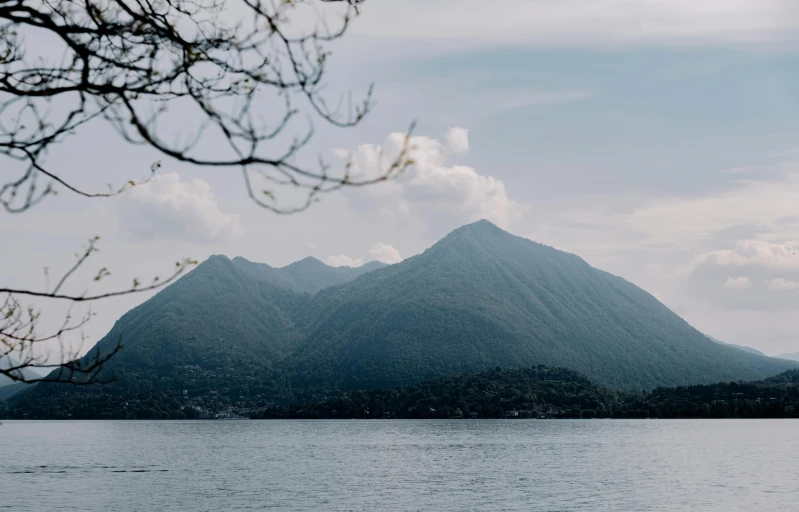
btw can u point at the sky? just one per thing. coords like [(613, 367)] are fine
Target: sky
[(656, 139)]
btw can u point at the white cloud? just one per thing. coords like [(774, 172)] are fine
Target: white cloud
[(772, 265), (311, 247), (751, 252), (379, 251), (456, 140), (750, 210), (769, 204), (385, 253), (167, 207), (445, 196), (738, 283), (782, 284), (343, 260), (583, 22)]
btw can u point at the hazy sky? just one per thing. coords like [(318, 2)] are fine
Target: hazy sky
[(657, 139)]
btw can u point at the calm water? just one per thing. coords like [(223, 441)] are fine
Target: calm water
[(400, 465)]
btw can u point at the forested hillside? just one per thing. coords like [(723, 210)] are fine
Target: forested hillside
[(537, 392), (233, 334), (541, 392), (481, 298), (775, 397)]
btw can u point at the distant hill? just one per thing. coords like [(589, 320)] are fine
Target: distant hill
[(792, 356), (739, 347), (27, 373), (308, 275), (10, 390), (237, 335)]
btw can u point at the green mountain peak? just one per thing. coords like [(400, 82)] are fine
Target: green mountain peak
[(477, 299)]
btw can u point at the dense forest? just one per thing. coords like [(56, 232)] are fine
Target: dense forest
[(536, 392), (541, 392), (233, 336), (775, 397)]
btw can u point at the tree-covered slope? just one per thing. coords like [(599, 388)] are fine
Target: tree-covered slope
[(219, 327), (233, 333), (221, 334), (537, 392), (482, 298), (224, 312), (10, 390), (542, 392), (216, 313), (774, 397)]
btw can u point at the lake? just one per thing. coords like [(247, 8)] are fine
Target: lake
[(400, 465)]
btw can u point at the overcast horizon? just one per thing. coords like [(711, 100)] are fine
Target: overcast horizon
[(658, 140)]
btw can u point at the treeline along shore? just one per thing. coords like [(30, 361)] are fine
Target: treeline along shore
[(542, 392)]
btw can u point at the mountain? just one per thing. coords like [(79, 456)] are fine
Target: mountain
[(237, 335), (224, 312), (739, 347), (481, 298), (311, 275), (308, 275), (7, 362), (219, 333), (10, 390), (792, 356)]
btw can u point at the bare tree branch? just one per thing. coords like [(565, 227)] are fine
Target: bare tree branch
[(138, 64), (21, 343)]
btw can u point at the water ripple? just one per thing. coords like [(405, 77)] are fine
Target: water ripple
[(400, 465)]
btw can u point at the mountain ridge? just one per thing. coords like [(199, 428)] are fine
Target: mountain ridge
[(540, 304), (793, 356), (739, 347), (7, 362), (234, 331)]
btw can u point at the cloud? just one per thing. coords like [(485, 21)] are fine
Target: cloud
[(769, 204), (749, 211), (379, 251), (583, 22), (782, 284), (167, 207), (738, 283), (478, 98), (751, 253), (445, 196), (773, 266), (385, 253), (456, 140), (343, 260)]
